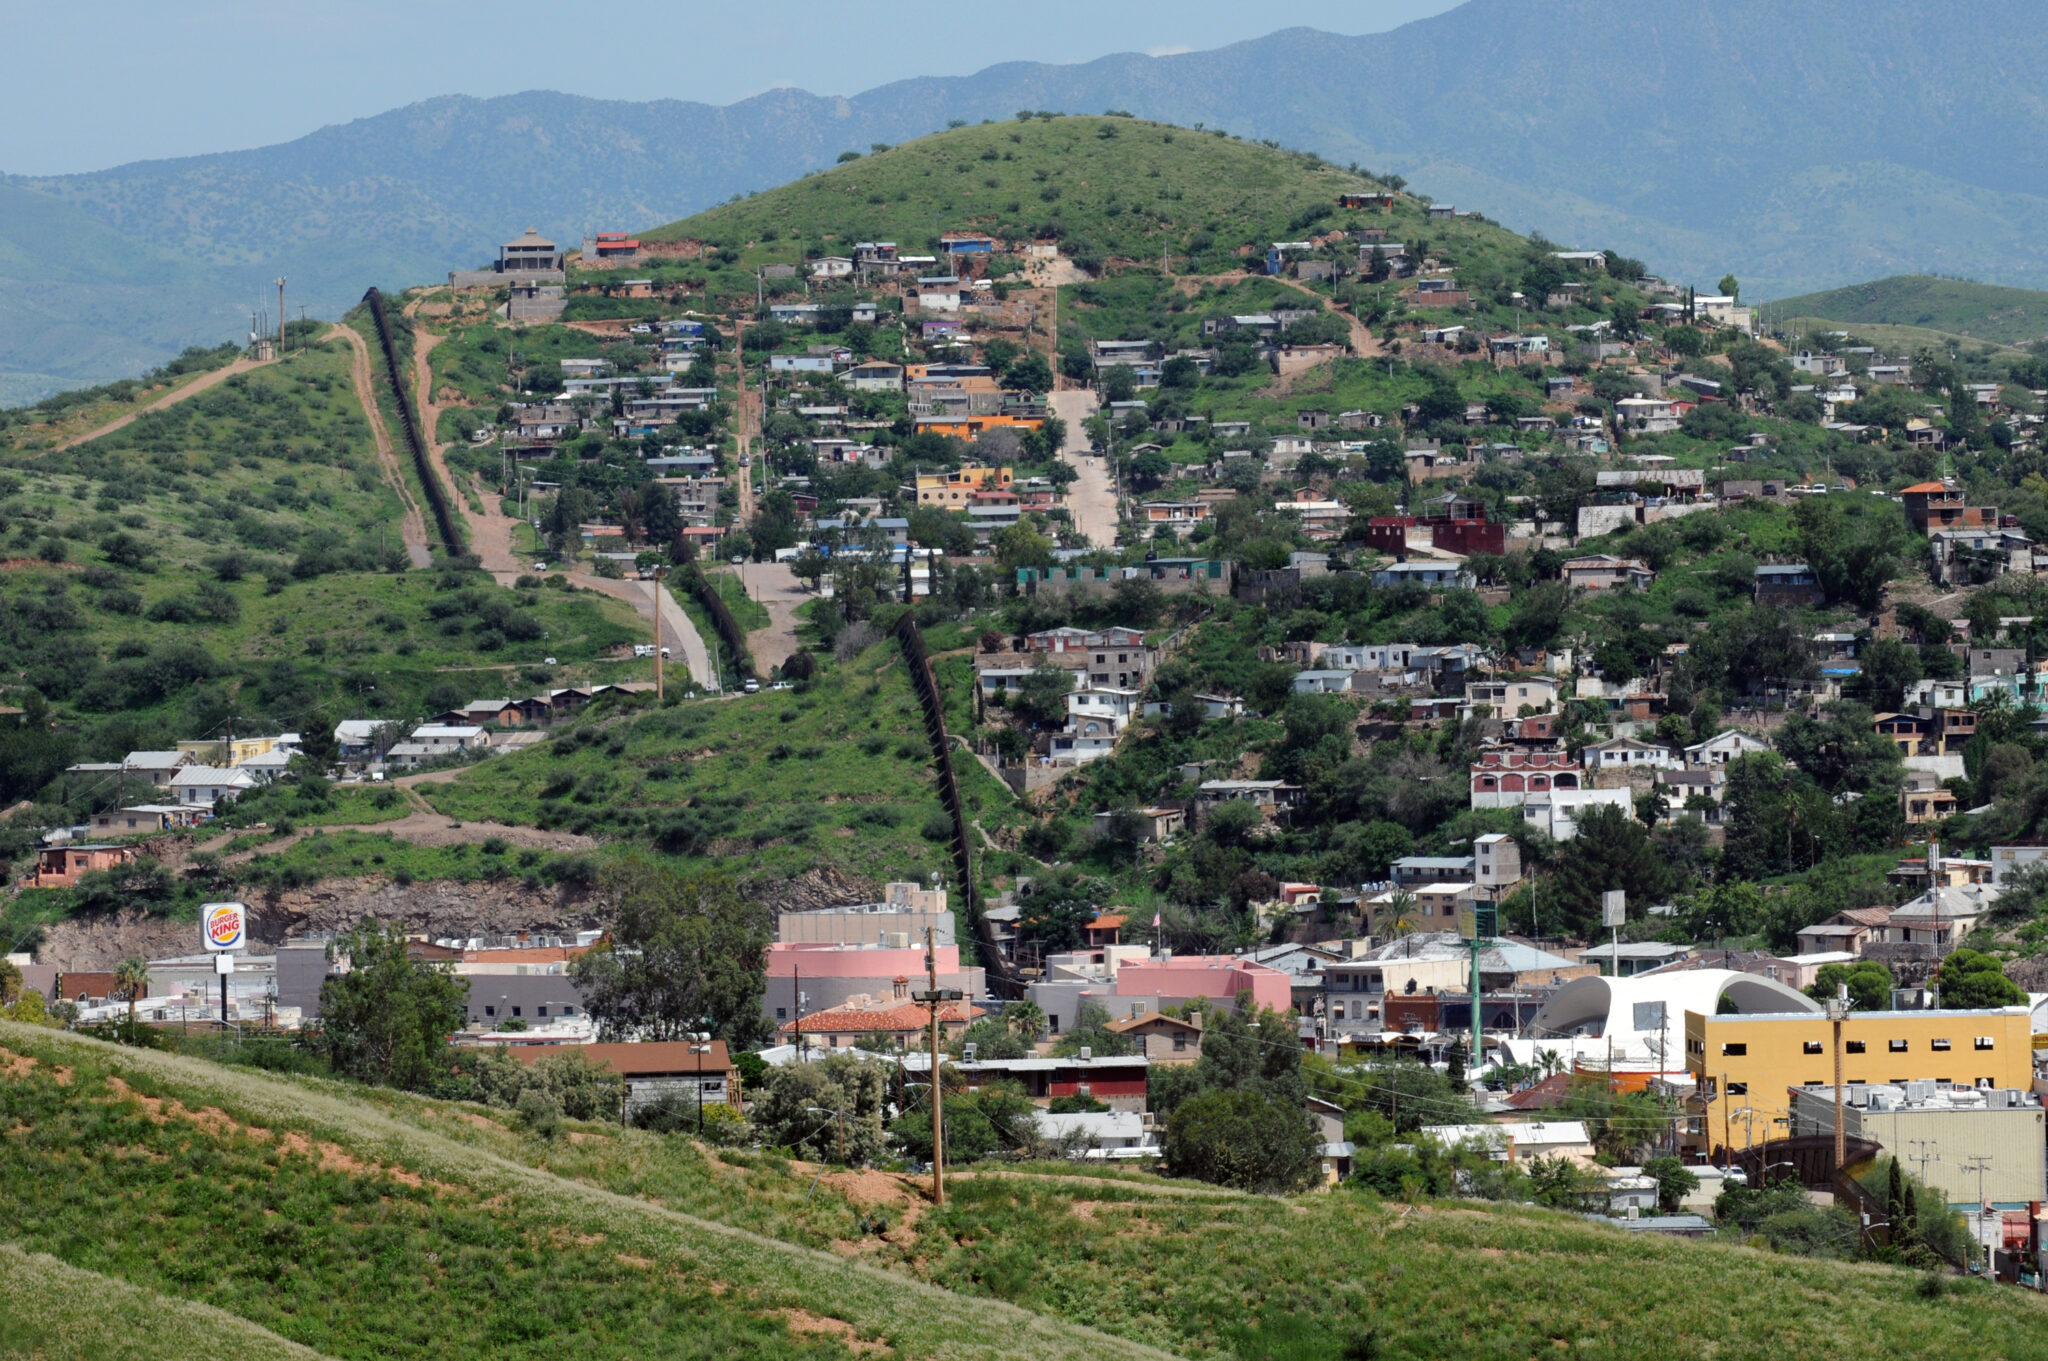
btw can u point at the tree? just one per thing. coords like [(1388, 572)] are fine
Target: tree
[(1611, 850), (828, 1110), (991, 1038), (1869, 982), (1119, 383), (1026, 1020), (131, 976), (1042, 695), (681, 954), (1730, 287), (1889, 666), (1243, 1139), (1030, 374), (1151, 467), (1970, 980), (10, 982), (1091, 1031), (388, 1019), (1056, 909), (1674, 1182)]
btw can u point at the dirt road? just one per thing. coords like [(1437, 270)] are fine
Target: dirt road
[(1091, 497), (412, 527), (171, 398), (776, 587)]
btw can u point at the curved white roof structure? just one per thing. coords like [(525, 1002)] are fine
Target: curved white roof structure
[(1625, 1010)]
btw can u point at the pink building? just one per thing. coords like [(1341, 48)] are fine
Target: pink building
[(1220, 978), (828, 974)]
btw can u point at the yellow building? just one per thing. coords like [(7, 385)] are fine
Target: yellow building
[(1745, 1066), (958, 488)]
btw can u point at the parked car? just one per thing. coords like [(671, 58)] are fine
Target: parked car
[(752, 687)]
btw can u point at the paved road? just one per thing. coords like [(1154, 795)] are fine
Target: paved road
[(412, 526), (171, 398), (1091, 497)]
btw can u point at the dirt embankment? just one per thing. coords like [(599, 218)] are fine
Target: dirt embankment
[(814, 888), (440, 909)]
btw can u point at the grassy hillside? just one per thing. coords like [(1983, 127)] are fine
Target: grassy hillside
[(268, 1198), (627, 1243), (1119, 186), (2005, 316), (49, 1309), (238, 554), (835, 776)]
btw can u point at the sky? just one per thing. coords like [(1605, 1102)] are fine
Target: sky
[(97, 83)]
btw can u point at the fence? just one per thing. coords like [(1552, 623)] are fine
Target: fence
[(437, 496), (1002, 976)]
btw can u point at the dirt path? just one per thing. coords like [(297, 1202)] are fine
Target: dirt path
[(423, 827), (412, 527), (171, 398), (775, 586), (1091, 497)]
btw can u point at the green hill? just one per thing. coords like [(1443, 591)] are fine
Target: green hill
[(494, 1241), (1107, 186), (268, 1198), (2005, 316)]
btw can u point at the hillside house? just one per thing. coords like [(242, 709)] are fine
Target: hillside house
[(1789, 585), (1626, 753), (528, 254), (205, 786), (1605, 572), (61, 866)]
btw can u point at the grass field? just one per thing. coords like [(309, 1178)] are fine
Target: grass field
[(1958, 307), (621, 1242), (51, 1310), (299, 1207), (1127, 187), (833, 776)]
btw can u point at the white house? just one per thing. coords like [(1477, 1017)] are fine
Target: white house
[(1102, 1134), (1510, 696), (1521, 1141), (1722, 748), (203, 786), (444, 738), (1557, 813), (1626, 753), (1322, 682), (1101, 712)]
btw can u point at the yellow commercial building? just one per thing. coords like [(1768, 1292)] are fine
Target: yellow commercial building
[(1745, 1066)]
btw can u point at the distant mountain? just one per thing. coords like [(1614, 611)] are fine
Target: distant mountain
[(1799, 146), (2007, 316)]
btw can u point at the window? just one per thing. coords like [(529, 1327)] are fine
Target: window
[(490, 1011), (1854, 1046), (1738, 1089), (1941, 1046), (1813, 1046), (782, 1013), (515, 1011), (543, 1011), (1984, 1042), (1734, 1051), (568, 1011), (1897, 1046), (1180, 1043)]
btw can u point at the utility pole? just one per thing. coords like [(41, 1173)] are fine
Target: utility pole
[(1838, 1011), (280, 316), (660, 574), (1926, 1155), (934, 996)]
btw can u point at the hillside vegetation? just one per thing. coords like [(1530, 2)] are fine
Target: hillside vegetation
[(1107, 186), (833, 776), (2005, 316), (623, 1243), (267, 1198)]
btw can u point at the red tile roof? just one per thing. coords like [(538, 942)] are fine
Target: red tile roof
[(861, 1020)]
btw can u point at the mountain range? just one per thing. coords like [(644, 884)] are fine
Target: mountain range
[(1797, 146)]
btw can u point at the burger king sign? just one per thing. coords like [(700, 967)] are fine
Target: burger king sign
[(224, 926)]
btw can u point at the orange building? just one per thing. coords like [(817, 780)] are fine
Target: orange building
[(61, 866)]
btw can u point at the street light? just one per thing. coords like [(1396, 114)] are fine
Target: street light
[(700, 1045)]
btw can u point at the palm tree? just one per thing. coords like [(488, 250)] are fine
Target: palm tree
[(131, 975), (1026, 1020)]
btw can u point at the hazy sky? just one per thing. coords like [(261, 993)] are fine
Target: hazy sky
[(95, 83)]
